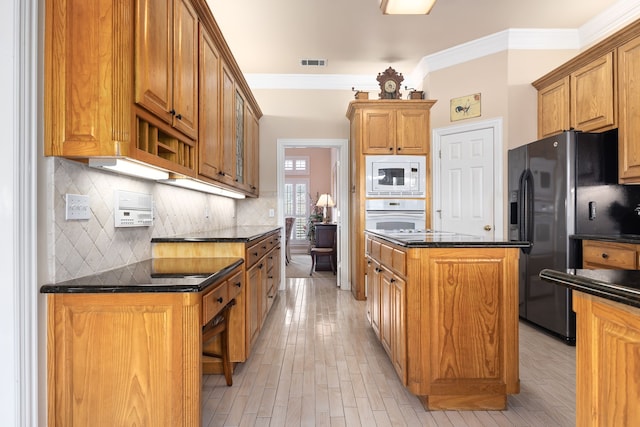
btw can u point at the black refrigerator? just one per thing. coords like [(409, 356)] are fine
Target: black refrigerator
[(558, 187)]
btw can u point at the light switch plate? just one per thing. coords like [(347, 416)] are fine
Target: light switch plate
[(77, 207)]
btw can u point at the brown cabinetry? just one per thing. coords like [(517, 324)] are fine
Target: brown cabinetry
[(135, 79), (403, 129), (629, 112), (134, 358), (166, 62), (262, 276), (449, 323), (583, 100), (381, 127), (598, 254), (608, 386)]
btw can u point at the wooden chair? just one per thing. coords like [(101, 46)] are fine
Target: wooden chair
[(219, 326), (325, 246), (288, 228)]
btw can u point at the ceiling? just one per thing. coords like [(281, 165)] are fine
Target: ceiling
[(272, 36)]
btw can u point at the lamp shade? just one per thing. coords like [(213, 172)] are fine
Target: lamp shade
[(325, 200), (406, 7)]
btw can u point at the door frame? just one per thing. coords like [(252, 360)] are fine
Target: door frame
[(341, 215), (498, 177)]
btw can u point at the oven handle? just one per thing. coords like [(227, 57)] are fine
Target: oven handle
[(372, 214)]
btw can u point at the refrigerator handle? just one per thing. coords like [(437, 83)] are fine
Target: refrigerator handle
[(525, 212)]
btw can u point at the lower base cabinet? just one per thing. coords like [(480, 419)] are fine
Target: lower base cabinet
[(262, 275), (607, 362), (448, 319)]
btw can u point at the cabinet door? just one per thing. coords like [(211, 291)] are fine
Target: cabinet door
[(592, 98), (154, 57), (209, 126), (629, 114), (412, 131), (185, 68), (373, 295), (378, 131), (254, 303), (228, 129), (399, 342), (252, 154), (386, 317), (553, 108)]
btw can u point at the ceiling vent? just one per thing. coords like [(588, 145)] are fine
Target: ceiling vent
[(313, 62)]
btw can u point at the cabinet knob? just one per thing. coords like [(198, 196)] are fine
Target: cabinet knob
[(399, 148), (220, 300), (179, 117), (392, 280), (260, 266), (605, 255), (238, 284), (255, 254), (390, 148), (172, 112)]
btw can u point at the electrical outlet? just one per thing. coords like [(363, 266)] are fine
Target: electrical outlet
[(272, 213), (77, 207)]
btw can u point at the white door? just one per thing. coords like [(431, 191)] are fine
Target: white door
[(467, 174)]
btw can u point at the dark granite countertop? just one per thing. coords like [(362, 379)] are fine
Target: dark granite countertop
[(618, 238), (152, 275), (616, 285), (441, 239), (232, 234)]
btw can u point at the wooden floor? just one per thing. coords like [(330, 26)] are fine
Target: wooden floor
[(318, 363)]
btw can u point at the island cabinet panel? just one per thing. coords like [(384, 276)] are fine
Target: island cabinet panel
[(607, 362), (450, 323), (124, 359)]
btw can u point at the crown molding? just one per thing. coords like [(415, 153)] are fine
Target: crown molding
[(614, 18)]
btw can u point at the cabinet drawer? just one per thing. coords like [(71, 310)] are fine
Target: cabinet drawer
[(255, 252), (609, 255), (213, 301), (394, 259), (375, 249), (235, 284)]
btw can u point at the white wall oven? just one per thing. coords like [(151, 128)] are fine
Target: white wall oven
[(395, 214), (396, 176)]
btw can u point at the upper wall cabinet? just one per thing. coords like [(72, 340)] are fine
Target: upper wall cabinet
[(166, 62), (133, 78), (583, 100), (395, 130), (629, 112)]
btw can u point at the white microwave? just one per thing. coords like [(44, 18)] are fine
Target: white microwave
[(396, 176)]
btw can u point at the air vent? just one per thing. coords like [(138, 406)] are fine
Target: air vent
[(313, 62)]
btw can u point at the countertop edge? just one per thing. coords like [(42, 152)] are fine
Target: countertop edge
[(622, 238), (451, 244), (151, 288), (237, 239), (606, 290)]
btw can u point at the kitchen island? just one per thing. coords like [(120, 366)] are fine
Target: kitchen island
[(445, 308), (124, 347), (607, 306)]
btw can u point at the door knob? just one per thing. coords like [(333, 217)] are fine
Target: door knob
[(487, 228)]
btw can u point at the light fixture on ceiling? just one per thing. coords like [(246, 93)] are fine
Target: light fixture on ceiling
[(128, 167), (406, 7), (203, 187)]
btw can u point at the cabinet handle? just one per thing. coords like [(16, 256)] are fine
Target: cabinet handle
[(264, 247), (605, 255), (255, 254), (392, 280), (269, 296), (238, 284), (261, 265), (399, 148), (270, 277), (220, 300), (172, 112), (390, 148), (179, 117)]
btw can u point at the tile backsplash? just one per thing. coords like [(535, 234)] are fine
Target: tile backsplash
[(84, 247)]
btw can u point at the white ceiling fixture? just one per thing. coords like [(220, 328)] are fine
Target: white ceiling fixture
[(406, 7)]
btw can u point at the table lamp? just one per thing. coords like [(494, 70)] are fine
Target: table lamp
[(325, 201)]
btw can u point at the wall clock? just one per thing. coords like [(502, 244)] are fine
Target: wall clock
[(465, 107), (390, 82)]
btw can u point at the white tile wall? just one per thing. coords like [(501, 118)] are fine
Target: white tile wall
[(88, 246)]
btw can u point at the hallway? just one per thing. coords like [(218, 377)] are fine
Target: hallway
[(318, 363)]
